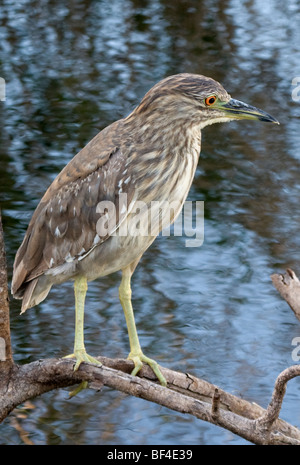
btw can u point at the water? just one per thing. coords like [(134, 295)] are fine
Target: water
[(212, 310)]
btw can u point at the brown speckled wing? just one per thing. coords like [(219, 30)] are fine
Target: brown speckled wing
[(63, 226)]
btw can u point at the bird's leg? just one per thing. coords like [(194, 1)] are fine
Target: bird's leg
[(136, 354), (80, 287)]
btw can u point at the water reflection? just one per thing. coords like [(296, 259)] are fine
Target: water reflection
[(70, 70)]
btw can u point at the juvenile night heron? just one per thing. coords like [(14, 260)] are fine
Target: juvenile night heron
[(151, 155)]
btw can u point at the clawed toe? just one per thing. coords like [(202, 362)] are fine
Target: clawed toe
[(82, 356), (138, 360)]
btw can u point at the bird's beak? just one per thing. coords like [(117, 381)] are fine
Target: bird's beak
[(239, 110)]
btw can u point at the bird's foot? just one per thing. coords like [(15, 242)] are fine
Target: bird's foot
[(82, 356), (138, 358)]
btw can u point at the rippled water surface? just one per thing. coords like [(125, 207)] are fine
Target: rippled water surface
[(71, 68)]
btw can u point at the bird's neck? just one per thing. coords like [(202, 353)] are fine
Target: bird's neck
[(162, 156), (158, 131)]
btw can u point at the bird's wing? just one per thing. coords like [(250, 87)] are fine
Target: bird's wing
[(64, 225)]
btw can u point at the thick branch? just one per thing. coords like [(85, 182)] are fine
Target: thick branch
[(288, 285), (6, 359), (185, 394)]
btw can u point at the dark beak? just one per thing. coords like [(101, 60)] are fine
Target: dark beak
[(240, 110)]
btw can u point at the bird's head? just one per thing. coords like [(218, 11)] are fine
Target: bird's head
[(199, 99)]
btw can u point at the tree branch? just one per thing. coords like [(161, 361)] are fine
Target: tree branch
[(6, 358), (274, 407), (185, 393), (288, 285)]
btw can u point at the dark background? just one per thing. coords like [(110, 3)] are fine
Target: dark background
[(71, 68)]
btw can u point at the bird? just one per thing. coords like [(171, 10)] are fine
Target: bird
[(80, 230)]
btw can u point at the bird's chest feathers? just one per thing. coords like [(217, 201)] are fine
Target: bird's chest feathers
[(166, 182), (182, 167), (183, 178)]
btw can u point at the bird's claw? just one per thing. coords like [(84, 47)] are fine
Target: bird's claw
[(139, 358), (82, 356)]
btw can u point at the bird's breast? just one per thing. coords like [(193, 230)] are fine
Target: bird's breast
[(162, 190)]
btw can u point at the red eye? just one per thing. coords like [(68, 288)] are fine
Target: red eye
[(210, 100)]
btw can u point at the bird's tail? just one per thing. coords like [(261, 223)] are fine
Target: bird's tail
[(32, 294)]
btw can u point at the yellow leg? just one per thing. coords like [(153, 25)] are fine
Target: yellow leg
[(80, 287), (136, 354)]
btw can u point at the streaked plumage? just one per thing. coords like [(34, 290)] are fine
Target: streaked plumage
[(151, 156)]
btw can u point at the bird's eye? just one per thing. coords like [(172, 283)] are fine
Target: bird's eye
[(210, 100)]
